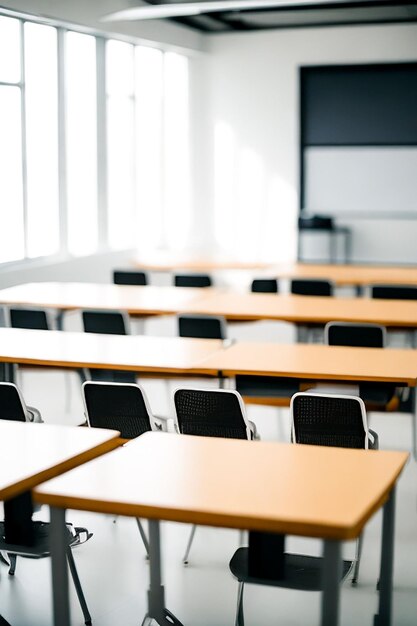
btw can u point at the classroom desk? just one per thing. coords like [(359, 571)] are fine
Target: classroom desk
[(135, 300), (232, 305), (33, 453), (152, 355), (166, 261), (348, 275), (184, 485)]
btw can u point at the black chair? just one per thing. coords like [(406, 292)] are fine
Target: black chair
[(318, 420), (192, 280), (129, 277), (211, 413), (202, 326), (123, 407), (394, 292), (29, 318), (109, 323), (311, 287), (264, 285), (118, 406), (13, 406), (376, 395)]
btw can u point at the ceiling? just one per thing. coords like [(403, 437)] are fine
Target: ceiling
[(333, 14)]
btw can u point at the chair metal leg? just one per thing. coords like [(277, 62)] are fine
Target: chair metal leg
[(78, 588), (357, 563), (12, 559), (143, 536), (240, 620), (188, 548)]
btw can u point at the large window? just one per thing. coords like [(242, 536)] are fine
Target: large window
[(94, 147)]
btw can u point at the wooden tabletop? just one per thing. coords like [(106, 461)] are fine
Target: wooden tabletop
[(313, 361), (33, 453), (286, 488), (165, 261), (169, 355), (149, 300), (349, 274), (307, 309)]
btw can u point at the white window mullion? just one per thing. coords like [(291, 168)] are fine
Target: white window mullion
[(102, 160), (62, 145), (23, 136)]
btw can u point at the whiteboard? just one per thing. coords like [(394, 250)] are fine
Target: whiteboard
[(367, 180)]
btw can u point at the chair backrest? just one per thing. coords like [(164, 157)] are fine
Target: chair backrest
[(192, 280), (12, 405), (394, 292), (202, 326), (29, 318), (329, 420), (311, 287), (211, 413), (107, 322), (129, 277), (350, 334), (119, 406), (264, 285)]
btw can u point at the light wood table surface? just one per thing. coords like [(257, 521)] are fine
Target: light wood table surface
[(135, 300), (347, 275), (139, 353), (283, 488), (165, 261), (307, 309), (315, 362)]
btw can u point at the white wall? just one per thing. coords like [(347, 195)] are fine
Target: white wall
[(254, 92)]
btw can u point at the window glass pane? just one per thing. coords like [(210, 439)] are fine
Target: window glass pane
[(9, 50), (12, 245), (41, 84), (149, 192), (81, 143), (177, 201), (120, 163), (119, 68)]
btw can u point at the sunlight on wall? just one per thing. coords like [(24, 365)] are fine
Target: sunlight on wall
[(255, 211)]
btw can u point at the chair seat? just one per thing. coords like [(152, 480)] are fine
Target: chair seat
[(41, 544), (302, 572)]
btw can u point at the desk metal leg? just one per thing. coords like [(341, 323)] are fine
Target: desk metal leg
[(59, 320), (59, 545), (332, 571), (156, 599), (384, 615)]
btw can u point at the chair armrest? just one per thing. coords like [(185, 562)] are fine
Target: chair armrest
[(373, 440)]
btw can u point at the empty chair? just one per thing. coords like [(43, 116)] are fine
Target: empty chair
[(394, 292), (29, 318), (109, 323), (118, 406), (376, 395), (13, 406), (202, 326), (319, 420), (211, 413), (129, 277), (264, 285), (192, 280), (311, 287)]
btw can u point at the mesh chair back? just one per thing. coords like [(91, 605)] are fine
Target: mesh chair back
[(128, 277), (211, 413), (107, 322), (311, 287), (329, 420), (12, 406), (117, 406), (202, 326), (361, 335), (264, 285), (391, 292), (192, 280), (29, 318)]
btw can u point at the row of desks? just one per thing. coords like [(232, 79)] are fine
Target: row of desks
[(176, 485), (152, 300)]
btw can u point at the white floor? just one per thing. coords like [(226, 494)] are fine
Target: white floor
[(112, 565)]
